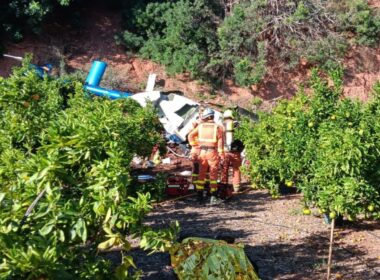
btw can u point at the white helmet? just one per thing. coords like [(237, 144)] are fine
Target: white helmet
[(228, 114), (208, 113)]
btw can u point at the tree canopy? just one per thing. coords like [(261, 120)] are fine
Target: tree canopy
[(213, 39)]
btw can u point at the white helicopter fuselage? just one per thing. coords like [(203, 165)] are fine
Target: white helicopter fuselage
[(176, 113)]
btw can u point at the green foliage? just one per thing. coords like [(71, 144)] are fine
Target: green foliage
[(360, 19), (156, 187), (324, 144), (67, 157), (201, 258), (326, 52), (212, 41), (241, 54), (133, 41), (256, 101), (27, 104), (302, 12), (179, 35), (160, 241), (247, 72), (20, 15)]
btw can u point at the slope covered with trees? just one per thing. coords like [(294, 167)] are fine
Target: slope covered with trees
[(217, 39)]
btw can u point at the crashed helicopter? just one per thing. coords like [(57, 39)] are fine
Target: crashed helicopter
[(176, 112)]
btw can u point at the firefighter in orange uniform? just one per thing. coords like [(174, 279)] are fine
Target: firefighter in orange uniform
[(194, 156), (233, 149), (210, 139)]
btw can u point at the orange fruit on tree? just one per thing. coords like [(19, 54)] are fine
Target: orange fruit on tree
[(371, 208), (35, 97), (306, 211)]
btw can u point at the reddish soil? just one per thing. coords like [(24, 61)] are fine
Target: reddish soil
[(362, 72), (95, 40), (374, 3)]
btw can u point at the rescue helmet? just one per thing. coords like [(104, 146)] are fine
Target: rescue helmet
[(207, 113), (228, 115)]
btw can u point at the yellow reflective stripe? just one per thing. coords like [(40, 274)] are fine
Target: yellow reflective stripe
[(198, 182), (213, 182), (195, 175), (199, 187), (212, 190)]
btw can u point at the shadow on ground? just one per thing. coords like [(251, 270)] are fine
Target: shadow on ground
[(297, 258), (307, 259)]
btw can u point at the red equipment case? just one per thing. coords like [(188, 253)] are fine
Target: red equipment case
[(177, 186)]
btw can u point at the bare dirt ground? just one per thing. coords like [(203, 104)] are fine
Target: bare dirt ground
[(282, 242), (278, 238), (374, 3)]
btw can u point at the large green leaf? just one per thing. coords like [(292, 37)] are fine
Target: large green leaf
[(201, 258)]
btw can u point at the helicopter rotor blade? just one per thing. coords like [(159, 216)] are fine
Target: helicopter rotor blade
[(18, 58)]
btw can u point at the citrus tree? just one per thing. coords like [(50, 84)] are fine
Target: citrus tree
[(322, 143), (65, 188)]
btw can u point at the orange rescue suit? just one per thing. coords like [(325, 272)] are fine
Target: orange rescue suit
[(211, 142), (194, 156), (232, 158)]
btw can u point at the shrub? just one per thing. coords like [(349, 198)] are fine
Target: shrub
[(180, 35), (18, 16), (240, 53), (248, 72), (65, 191), (357, 17), (214, 41), (27, 105), (133, 41), (324, 144)]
